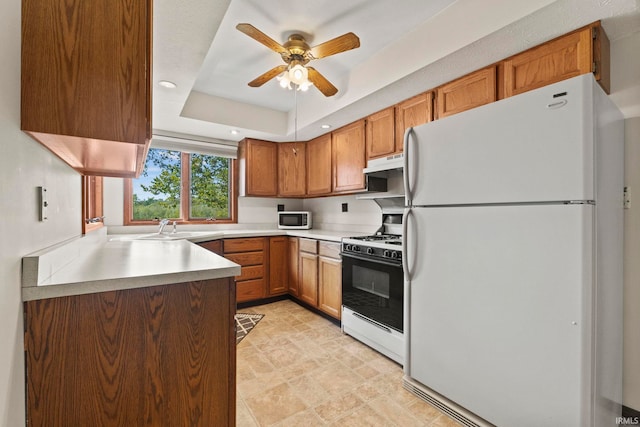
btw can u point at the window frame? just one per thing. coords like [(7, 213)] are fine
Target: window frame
[(185, 188), (92, 203)]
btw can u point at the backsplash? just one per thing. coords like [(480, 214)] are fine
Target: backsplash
[(362, 215)]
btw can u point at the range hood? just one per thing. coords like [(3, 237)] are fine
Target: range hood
[(385, 164)]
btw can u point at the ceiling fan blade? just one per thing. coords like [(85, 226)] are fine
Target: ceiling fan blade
[(339, 44), (321, 82), (262, 79), (258, 35)]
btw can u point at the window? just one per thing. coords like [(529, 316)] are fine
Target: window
[(92, 217), (183, 187)]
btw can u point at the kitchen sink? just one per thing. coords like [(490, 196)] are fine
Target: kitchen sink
[(167, 236), (179, 235)]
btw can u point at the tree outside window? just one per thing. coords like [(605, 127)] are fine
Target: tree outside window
[(185, 187)]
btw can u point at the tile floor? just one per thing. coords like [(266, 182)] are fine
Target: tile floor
[(298, 369)]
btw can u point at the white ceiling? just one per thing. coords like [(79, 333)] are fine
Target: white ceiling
[(407, 47)]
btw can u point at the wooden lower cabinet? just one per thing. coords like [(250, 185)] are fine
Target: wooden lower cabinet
[(319, 275), (308, 286), (154, 356), (330, 286), (278, 268), (214, 246), (253, 256), (293, 265)]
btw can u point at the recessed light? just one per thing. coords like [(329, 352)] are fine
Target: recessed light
[(167, 84), (325, 126), (234, 132)]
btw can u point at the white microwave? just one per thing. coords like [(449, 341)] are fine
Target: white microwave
[(294, 220)]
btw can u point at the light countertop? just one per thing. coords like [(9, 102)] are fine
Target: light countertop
[(99, 262)]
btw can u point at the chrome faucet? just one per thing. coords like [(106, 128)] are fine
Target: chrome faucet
[(163, 223)]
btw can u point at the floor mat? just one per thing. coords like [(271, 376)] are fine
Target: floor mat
[(245, 322)]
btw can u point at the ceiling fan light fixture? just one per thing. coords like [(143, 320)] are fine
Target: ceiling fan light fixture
[(284, 80), (298, 74)]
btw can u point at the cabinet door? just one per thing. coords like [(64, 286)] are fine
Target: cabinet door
[(348, 157), (330, 286), (319, 165), (380, 133), (258, 161), (412, 112), (308, 291), (86, 82), (293, 263), (559, 59), (278, 268), (291, 168), (470, 91)]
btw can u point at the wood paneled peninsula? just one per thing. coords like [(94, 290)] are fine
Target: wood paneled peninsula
[(130, 333)]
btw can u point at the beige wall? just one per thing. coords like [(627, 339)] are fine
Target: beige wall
[(631, 390), (24, 165), (625, 92)]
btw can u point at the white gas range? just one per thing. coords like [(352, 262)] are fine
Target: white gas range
[(373, 288)]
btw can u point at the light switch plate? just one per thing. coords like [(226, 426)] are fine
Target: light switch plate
[(627, 200), (43, 203)]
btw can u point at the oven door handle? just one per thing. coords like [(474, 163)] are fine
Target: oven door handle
[(377, 261)]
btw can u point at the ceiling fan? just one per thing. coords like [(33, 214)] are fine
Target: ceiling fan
[(296, 53)]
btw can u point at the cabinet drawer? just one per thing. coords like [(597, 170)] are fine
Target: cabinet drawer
[(243, 245), (214, 246), (249, 290), (329, 249), (246, 258), (251, 272), (309, 245)]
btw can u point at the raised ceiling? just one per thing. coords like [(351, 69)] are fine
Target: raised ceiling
[(406, 47)]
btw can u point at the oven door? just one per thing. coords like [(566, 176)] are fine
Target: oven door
[(374, 289)]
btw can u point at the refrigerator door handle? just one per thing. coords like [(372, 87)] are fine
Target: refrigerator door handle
[(407, 190), (405, 237)]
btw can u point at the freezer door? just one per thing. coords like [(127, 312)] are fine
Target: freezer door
[(500, 310), (537, 146)]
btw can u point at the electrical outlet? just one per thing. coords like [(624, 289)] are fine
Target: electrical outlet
[(345, 207), (280, 208), (626, 200)]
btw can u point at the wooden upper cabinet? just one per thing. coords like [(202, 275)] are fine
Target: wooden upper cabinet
[(258, 168), (348, 157), (470, 91), (380, 133), (576, 53), (414, 111), (319, 166), (86, 82), (291, 169)]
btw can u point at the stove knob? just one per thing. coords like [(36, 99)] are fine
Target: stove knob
[(386, 253), (369, 251), (347, 247), (394, 254), (355, 248)]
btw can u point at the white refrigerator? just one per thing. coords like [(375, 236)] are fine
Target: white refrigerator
[(513, 238)]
